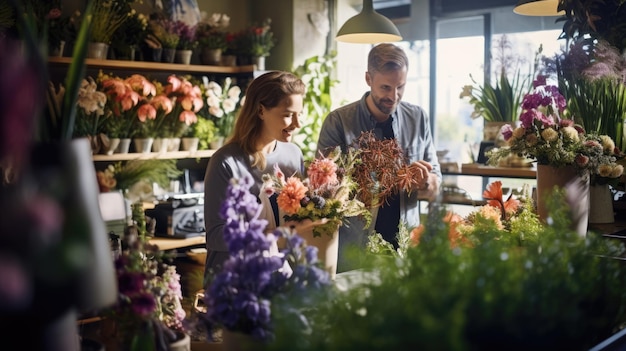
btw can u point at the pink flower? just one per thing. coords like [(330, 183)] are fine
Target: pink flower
[(321, 172)]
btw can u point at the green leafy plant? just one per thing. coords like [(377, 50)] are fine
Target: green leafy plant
[(123, 176), (559, 291), (206, 131), (317, 73), (589, 20)]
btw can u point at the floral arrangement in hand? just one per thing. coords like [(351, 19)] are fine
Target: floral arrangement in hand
[(382, 169), (148, 310), (255, 288), (222, 103), (549, 139), (329, 192)]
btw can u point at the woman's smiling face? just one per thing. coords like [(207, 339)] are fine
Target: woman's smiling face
[(280, 122)]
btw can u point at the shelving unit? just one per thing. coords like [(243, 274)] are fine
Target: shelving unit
[(144, 66), (154, 155)]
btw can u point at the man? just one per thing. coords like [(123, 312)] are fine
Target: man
[(382, 111)]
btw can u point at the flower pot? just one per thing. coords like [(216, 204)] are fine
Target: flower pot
[(113, 144), (124, 146), (259, 63), (160, 145), (600, 204), (152, 54), (229, 60), (190, 144), (211, 57), (57, 51), (173, 144), (217, 143), (97, 51), (491, 130), (577, 194), (183, 56), (143, 145), (168, 55)]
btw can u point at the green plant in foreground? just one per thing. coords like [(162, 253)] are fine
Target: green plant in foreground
[(561, 291)]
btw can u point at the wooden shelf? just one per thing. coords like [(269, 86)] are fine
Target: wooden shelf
[(491, 171), (156, 66), (154, 155)]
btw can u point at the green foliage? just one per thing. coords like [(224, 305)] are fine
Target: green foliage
[(317, 73), (152, 170), (206, 131), (598, 105), (562, 291)]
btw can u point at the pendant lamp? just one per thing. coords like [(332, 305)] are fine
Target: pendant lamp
[(368, 27), (538, 8)]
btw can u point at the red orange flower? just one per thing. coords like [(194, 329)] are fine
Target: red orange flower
[(292, 192)]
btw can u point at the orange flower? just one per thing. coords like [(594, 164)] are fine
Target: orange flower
[(493, 194), (416, 234), (289, 198), (322, 171)]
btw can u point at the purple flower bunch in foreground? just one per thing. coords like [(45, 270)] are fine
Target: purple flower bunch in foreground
[(241, 297)]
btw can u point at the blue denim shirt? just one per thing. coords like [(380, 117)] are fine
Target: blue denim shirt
[(411, 128)]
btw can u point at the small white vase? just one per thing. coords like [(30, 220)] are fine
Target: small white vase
[(217, 143), (190, 144), (124, 146), (113, 145), (259, 62), (143, 145), (160, 145), (173, 145)]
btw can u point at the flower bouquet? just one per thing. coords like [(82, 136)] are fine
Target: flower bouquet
[(328, 192), (549, 139), (255, 289), (382, 169)]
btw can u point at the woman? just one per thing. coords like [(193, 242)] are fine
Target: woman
[(261, 139)]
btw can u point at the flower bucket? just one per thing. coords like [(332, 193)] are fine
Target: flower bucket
[(190, 144), (143, 145), (123, 146), (97, 51), (577, 192)]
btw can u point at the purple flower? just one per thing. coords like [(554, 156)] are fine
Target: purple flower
[(240, 296)]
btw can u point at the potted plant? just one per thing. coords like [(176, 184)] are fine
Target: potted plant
[(129, 36), (498, 103), (257, 41), (108, 17), (212, 38), (186, 41)]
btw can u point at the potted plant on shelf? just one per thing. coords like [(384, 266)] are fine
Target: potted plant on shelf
[(129, 36), (257, 41), (186, 41), (211, 37), (108, 17), (499, 104), (163, 35)]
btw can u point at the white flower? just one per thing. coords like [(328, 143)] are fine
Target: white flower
[(229, 105), (234, 93), (216, 111)]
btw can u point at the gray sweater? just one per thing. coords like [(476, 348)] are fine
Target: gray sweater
[(229, 162)]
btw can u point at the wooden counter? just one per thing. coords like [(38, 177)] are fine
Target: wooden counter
[(170, 244)]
